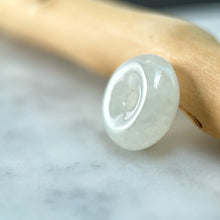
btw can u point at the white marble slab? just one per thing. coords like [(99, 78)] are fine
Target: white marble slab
[(56, 161)]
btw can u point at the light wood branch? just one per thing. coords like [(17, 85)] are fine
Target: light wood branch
[(102, 35)]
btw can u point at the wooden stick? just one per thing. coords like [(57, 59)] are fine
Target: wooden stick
[(102, 35)]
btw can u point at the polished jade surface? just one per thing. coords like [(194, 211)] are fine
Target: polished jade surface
[(140, 102)]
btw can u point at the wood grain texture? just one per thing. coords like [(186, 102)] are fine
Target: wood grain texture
[(102, 35)]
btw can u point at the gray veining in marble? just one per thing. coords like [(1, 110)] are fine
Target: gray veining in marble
[(56, 161)]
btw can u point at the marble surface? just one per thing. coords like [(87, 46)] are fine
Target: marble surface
[(56, 161)]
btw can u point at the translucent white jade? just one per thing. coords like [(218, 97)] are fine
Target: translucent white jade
[(140, 102)]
